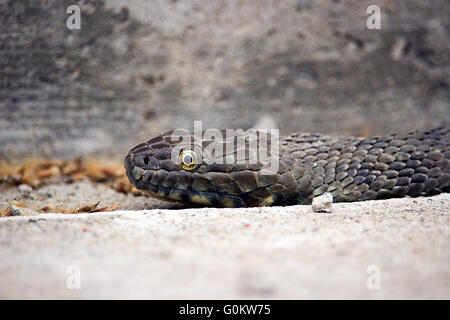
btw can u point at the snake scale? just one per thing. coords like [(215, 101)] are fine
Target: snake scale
[(350, 168)]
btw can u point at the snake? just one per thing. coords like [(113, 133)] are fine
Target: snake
[(220, 171)]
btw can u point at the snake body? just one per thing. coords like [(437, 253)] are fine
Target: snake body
[(350, 168)]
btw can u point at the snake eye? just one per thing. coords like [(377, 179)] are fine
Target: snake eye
[(187, 160)]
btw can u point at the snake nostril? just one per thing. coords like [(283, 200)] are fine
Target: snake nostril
[(146, 160)]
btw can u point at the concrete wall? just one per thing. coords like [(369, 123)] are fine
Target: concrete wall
[(140, 67)]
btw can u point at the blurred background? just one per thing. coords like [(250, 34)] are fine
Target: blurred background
[(136, 68)]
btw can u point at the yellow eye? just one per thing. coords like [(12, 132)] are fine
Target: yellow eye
[(187, 160)]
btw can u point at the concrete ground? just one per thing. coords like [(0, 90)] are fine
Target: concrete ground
[(394, 249)]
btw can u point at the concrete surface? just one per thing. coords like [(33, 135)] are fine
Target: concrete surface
[(273, 253), (136, 68)]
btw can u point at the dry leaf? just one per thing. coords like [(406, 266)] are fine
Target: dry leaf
[(13, 206), (35, 171), (113, 171), (71, 168), (48, 208), (6, 212), (88, 208), (79, 176), (108, 208), (47, 173)]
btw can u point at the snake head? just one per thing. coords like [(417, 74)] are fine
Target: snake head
[(219, 169)]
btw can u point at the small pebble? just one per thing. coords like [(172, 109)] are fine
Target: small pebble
[(322, 203), (24, 188)]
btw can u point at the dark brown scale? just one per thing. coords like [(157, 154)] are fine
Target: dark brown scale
[(352, 172), (376, 151), (375, 172), (431, 184), (277, 188), (428, 163), (341, 175), (407, 148), (171, 179), (370, 178), (376, 185), (335, 193), (363, 172), (382, 167), (384, 194), (407, 172), (349, 189), (360, 154), (246, 180), (317, 182), (202, 183), (333, 186), (370, 158), (342, 168), (402, 156), (168, 165), (363, 187), (161, 150), (418, 177), (354, 165), (331, 165), (320, 190), (329, 178), (367, 165), (347, 181), (403, 181), (265, 180), (390, 183), (397, 143), (369, 195), (320, 172), (359, 179), (415, 189), (391, 174), (421, 170), (397, 165), (417, 155), (304, 183), (185, 178), (332, 159), (413, 164), (159, 177)]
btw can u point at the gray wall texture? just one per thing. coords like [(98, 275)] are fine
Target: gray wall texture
[(136, 68)]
